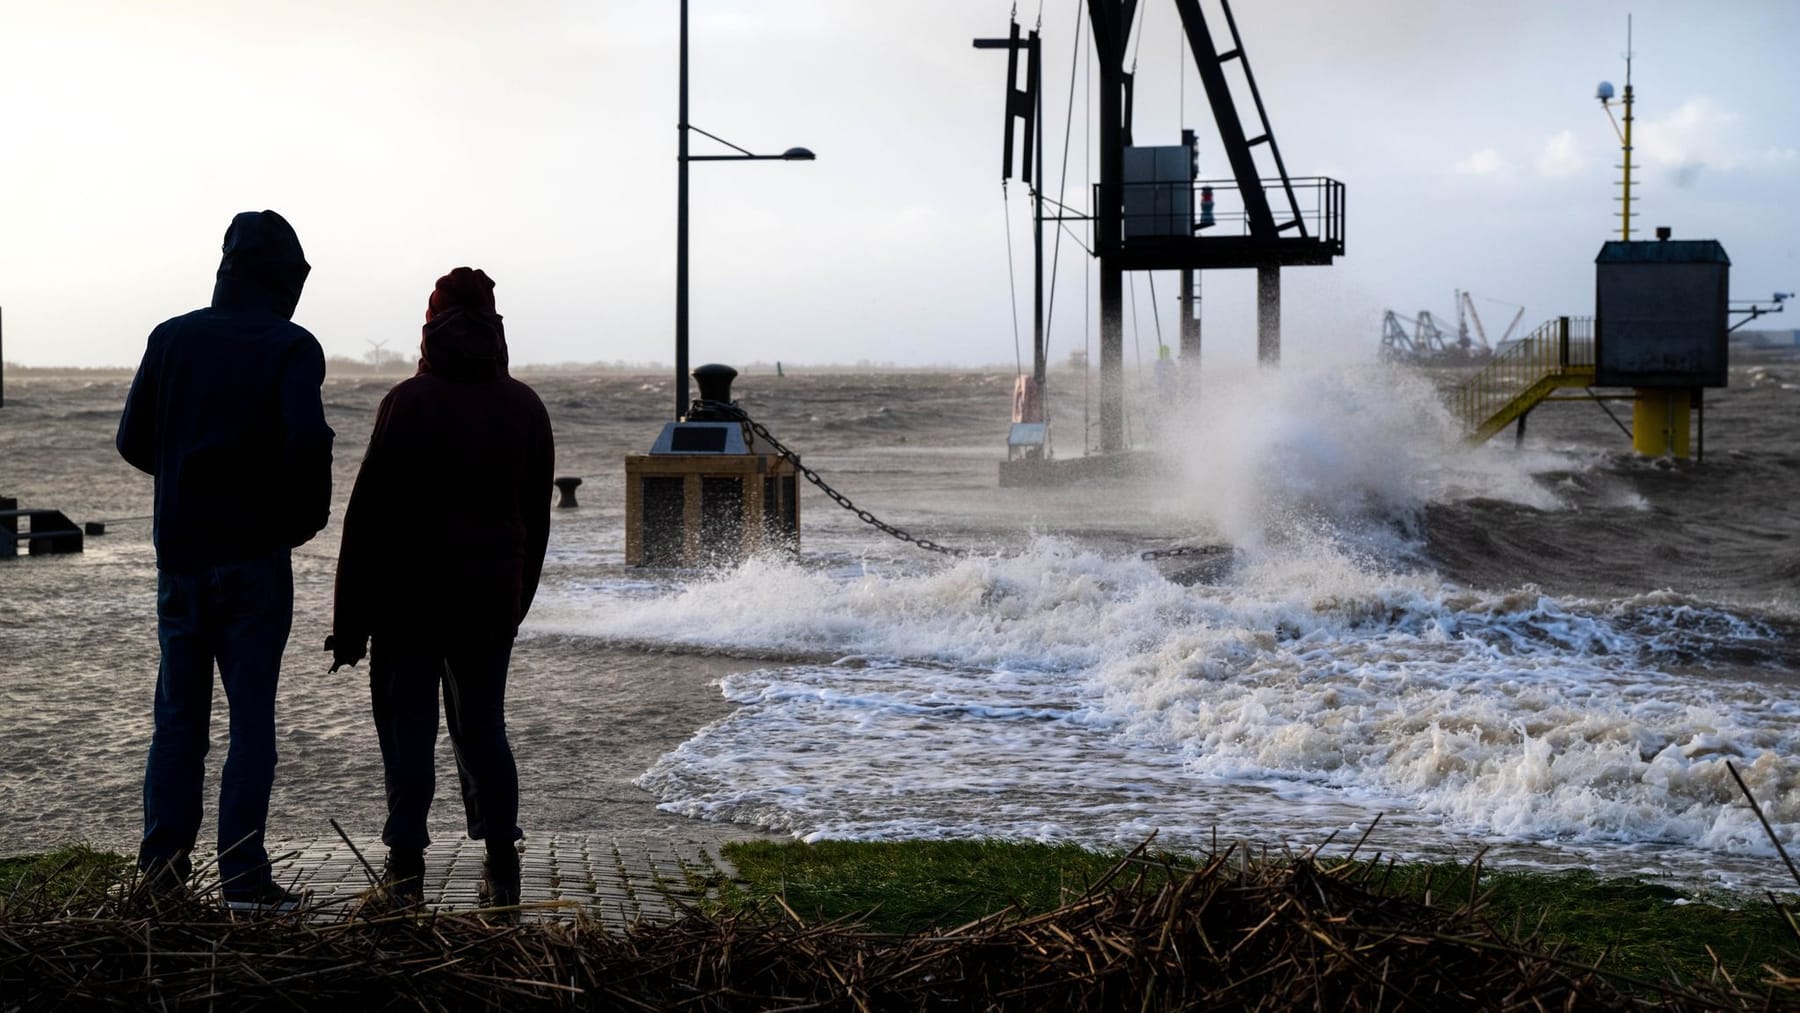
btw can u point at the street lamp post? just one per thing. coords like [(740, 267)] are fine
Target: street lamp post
[(682, 159)]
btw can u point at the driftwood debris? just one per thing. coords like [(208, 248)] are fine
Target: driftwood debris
[(1227, 934)]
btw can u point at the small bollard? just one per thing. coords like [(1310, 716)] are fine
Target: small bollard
[(566, 486), (95, 527)]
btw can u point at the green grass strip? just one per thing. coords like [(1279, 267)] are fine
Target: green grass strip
[(910, 886), (61, 874), (1643, 929)]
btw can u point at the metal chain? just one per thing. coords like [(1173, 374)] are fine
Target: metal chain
[(733, 411)]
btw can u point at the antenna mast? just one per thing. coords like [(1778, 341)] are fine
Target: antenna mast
[(1605, 94), (1625, 202)]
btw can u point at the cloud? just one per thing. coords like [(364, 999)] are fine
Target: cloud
[(1700, 137), (1560, 156), (1686, 174), (1486, 162), (1696, 135)]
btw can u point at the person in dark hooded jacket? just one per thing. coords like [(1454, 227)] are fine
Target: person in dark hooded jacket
[(225, 413), (443, 544)]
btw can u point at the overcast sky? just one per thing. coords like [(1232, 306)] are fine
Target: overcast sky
[(536, 139)]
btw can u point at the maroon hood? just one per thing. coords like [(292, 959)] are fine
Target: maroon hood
[(460, 345), (463, 337)]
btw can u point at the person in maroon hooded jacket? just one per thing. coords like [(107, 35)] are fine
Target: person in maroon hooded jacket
[(443, 544)]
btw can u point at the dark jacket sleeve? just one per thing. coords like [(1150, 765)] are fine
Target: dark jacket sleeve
[(534, 499), (137, 424), (354, 604), (305, 441)]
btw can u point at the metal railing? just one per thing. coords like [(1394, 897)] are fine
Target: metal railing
[(1560, 348), (1178, 208)]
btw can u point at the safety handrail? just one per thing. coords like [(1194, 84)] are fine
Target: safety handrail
[(1558, 348), (1318, 203)]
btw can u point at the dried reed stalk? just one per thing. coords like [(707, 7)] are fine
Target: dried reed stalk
[(1224, 935)]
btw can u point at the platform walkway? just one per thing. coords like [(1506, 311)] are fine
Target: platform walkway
[(618, 880)]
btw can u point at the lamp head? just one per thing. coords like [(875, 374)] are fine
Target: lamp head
[(798, 155)]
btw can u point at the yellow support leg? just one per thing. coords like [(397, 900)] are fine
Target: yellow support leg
[(1660, 422)]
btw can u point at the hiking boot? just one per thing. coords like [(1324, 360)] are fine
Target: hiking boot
[(403, 876), (269, 898), (500, 876)]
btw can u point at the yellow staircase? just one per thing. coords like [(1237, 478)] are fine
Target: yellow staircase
[(1558, 354)]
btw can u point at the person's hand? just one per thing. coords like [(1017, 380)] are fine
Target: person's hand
[(343, 653)]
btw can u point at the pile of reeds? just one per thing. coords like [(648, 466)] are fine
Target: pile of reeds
[(1298, 933)]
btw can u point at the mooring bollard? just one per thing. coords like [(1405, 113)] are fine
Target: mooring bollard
[(566, 486), (707, 494)]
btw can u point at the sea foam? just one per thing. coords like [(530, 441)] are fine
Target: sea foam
[(1045, 680), (1067, 691)]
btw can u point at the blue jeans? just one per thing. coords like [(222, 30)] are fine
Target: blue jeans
[(403, 689), (238, 616)]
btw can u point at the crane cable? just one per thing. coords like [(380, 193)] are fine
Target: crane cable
[(1012, 284), (1062, 186), (1155, 314), (1137, 353), (1087, 287), (1012, 280)]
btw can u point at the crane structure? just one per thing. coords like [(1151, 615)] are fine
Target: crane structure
[(1416, 339), (1466, 303), (1424, 340), (1150, 209)]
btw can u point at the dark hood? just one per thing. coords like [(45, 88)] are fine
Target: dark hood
[(464, 344), (263, 267)]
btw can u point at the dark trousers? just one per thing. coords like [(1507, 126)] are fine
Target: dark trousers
[(403, 687), (237, 616)]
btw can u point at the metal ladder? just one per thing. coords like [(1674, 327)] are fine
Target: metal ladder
[(1238, 146)]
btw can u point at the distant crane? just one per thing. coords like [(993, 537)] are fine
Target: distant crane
[(1426, 340), (1467, 303), (1423, 339)]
